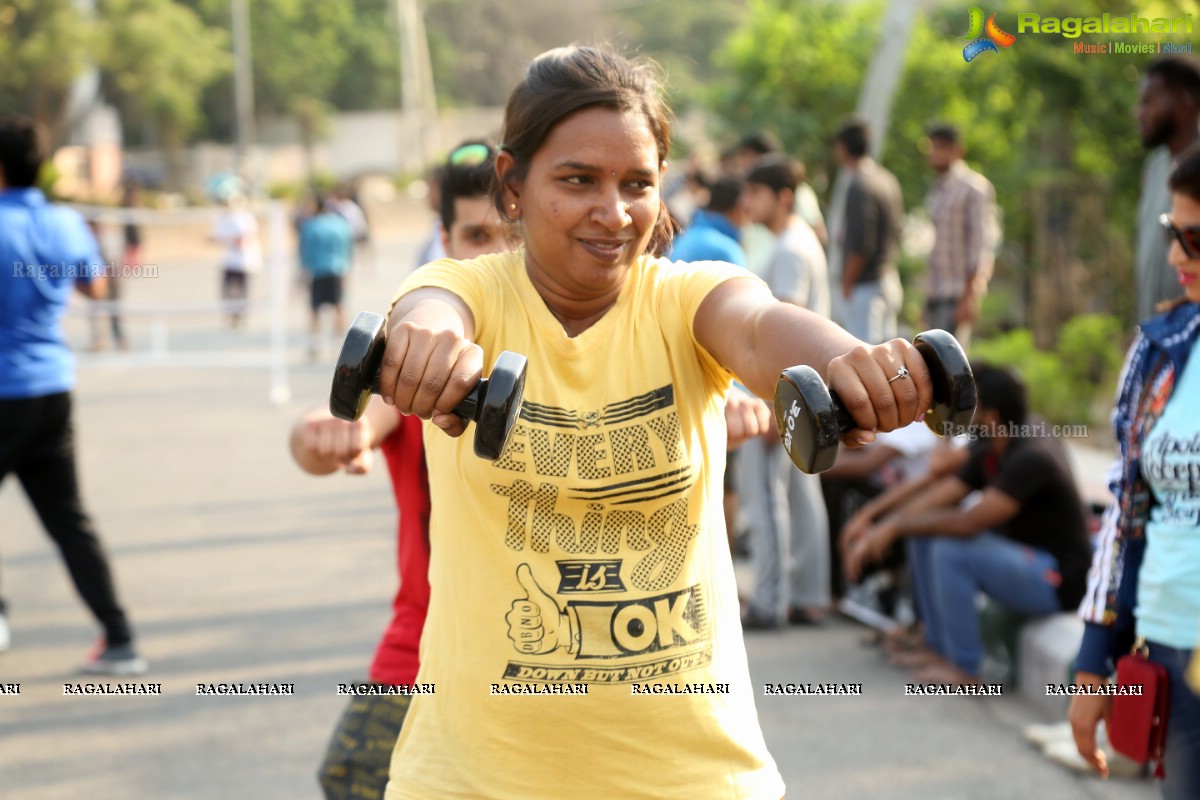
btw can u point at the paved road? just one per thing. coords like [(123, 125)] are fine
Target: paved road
[(237, 567)]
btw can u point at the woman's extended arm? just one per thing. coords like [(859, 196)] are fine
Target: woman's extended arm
[(772, 336)]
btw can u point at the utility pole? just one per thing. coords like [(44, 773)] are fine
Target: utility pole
[(84, 93), (418, 100), (243, 85), (875, 108)]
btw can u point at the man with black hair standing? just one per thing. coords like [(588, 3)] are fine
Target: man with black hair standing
[(1167, 114), (789, 526), (962, 208), (46, 251), (870, 240)]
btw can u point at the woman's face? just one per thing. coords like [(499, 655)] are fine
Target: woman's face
[(589, 202), (1185, 213)]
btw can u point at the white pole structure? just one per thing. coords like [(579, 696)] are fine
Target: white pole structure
[(418, 103), (243, 84), (420, 43), (875, 108), (277, 261)]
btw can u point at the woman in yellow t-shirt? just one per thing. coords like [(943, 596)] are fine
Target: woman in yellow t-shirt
[(583, 638)]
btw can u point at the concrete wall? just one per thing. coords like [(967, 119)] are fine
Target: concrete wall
[(357, 143)]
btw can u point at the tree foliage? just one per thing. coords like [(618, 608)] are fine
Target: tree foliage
[(157, 56), (1052, 129), (154, 58), (44, 46)]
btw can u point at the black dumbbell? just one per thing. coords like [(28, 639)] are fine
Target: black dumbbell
[(494, 404), (812, 419)]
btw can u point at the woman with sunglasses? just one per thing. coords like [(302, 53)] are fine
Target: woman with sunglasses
[(1145, 578), (583, 630)]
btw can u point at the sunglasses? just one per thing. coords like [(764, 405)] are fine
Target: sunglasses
[(1188, 238), (469, 155)]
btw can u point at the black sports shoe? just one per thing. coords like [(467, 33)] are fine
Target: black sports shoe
[(118, 660)]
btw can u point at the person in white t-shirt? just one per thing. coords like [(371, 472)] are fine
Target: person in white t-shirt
[(237, 230)]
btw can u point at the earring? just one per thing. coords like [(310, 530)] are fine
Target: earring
[(512, 206)]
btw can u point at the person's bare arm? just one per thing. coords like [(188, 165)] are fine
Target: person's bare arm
[(862, 462), (944, 460), (322, 444), (95, 288), (947, 519), (852, 267), (942, 496), (774, 336)]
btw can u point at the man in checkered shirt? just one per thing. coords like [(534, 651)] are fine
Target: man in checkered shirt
[(961, 207)]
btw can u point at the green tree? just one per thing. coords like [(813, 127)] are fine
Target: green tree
[(44, 46), (1052, 129), (158, 56), (480, 48), (681, 36), (794, 67), (370, 75), (300, 51)]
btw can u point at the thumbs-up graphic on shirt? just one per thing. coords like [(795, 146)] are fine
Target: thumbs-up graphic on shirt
[(536, 624)]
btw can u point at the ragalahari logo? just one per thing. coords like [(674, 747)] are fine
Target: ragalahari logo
[(990, 38)]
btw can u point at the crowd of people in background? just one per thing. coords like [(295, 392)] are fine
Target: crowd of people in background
[(917, 528)]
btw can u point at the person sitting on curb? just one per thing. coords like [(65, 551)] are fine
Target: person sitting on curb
[(1023, 543)]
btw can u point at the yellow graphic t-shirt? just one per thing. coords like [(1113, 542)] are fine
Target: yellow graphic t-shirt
[(583, 637)]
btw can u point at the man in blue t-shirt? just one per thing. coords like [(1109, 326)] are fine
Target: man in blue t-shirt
[(714, 234), (45, 251), (326, 247)]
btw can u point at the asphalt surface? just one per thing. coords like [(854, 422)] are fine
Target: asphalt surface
[(237, 567)]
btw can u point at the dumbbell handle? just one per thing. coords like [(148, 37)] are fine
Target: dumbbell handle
[(467, 408), (845, 422), (803, 374)]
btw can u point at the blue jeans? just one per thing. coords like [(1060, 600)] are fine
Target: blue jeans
[(917, 550), (947, 573), (789, 531), (1181, 761)]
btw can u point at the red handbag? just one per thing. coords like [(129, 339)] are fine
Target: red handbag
[(1139, 722)]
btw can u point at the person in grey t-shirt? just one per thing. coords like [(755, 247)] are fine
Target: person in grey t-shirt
[(785, 509), (870, 239)]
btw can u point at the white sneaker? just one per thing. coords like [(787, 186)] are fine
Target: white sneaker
[(1045, 735), (5, 636), (1065, 754)]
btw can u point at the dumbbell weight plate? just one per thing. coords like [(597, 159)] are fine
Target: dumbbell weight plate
[(493, 404), (356, 375), (954, 390), (500, 406), (807, 418)]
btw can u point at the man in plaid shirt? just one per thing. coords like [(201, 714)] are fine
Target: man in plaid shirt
[(962, 209)]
